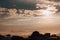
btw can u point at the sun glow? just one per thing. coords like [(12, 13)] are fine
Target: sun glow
[(50, 10), (47, 12)]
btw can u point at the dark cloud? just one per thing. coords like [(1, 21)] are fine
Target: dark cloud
[(19, 4), (58, 8), (55, 0)]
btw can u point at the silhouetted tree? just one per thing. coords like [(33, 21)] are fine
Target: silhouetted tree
[(46, 36), (35, 36), (8, 37), (2, 37), (17, 38)]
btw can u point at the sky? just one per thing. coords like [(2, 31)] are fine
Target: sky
[(25, 16)]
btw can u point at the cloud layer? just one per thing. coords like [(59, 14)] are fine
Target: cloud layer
[(10, 9)]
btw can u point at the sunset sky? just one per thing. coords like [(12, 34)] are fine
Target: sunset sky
[(39, 15)]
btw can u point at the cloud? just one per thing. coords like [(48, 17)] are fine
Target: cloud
[(58, 8), (13, 5), (55, 0), (19, 4), (3, 12)]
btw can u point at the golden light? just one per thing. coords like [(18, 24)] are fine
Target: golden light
[(50, 10), (47, 12)]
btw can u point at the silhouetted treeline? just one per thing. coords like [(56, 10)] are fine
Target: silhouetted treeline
[(34, 36)]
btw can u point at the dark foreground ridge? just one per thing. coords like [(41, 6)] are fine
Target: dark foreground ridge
[(34, 36)]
